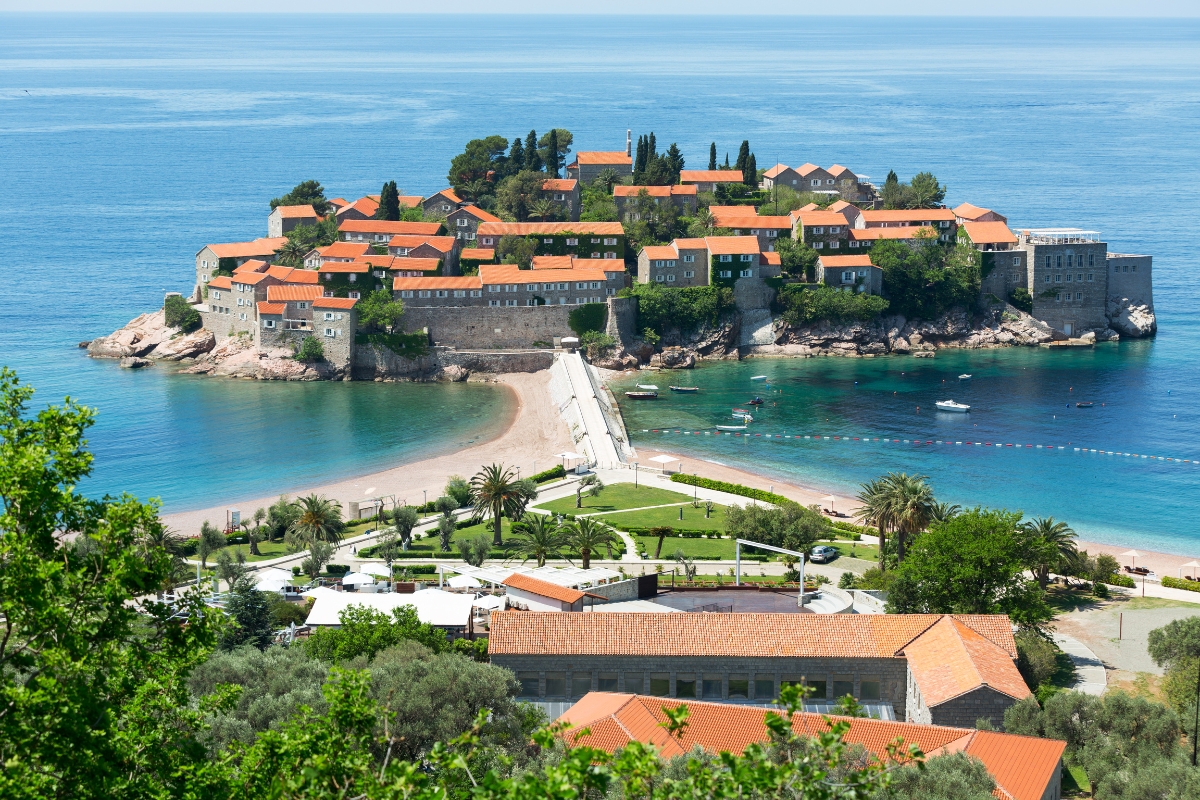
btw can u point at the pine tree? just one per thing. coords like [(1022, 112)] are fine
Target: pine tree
[(552, 165), (712, 156), (389, 202), (533, 161), (516, 156), (743, 155), (750, 173), (674, 160)]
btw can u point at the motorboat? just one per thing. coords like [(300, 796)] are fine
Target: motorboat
[(950, 405), (757, 401), (684, 389), (731, 427), (642, 395), (740, 411), (966, 376), (743, 416), (759, 378), (1085, 404), (650, 387)]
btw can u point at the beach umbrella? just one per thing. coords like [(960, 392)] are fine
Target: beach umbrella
[(1192, 564), (831, 499), (489, 601), (665, 459), (355, 578), (1133, 555), (463, 582), (569, 455)]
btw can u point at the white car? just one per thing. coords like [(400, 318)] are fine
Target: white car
[(823, 553)]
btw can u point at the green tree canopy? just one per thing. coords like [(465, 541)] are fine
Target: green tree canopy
[(380, 311), (319, 519), (517, 194), (305, 193), (533, 158), (364, 631), (480, 157), (497, 494), (927, 280), (518, 250), (788, 525), (389, 202)]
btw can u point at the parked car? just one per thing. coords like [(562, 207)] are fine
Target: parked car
[(823, 553)]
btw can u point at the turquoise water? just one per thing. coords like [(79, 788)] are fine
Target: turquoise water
[(129, 141)]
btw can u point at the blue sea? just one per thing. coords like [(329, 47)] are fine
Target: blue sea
[(127, 142)]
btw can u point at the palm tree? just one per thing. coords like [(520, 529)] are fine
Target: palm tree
[(537, 536), (475, 189), (607, 178), (292, 253), (910, 500), (1053, 544), (497, 493), (319, 520), (706, 219), (590, 484), (585, 536), (876, 511), (944, 512), (543, 209)]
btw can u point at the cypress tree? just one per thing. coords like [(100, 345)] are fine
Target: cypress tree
[(516, 156), (639, 163), (389, 202), (533, 161), (651, 148), (552, 164), (743, 155), (726, 160), (712, 156), (750, 173)]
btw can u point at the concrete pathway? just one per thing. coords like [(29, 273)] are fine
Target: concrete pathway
[(1090, 676), (598, 434)]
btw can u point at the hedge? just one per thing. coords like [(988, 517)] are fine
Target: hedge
[(588, 317), (1121, 580), (1179, 583), (730, 488), (551, 474)]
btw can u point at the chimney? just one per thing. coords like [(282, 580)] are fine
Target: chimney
[(629, 142)]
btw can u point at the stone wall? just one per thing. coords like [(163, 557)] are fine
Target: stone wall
[(964, 710), (225, 325), (491, 327), (1130, 277), (622, 320)]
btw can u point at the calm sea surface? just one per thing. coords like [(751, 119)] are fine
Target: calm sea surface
[(128, 142)]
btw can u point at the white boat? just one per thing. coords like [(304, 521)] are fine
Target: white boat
[(759, 378), (966, 376), (950, 405), (745, 417), (731, 427), (650, 387)]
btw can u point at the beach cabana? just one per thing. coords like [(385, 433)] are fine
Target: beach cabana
[(356, 578), (665, 459), (1192, 565)]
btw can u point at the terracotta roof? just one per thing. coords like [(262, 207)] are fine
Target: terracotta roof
[(306, 277), (388, 226), (807, 169), (250, 278), (376, 261), (968, 211), (343, 250), (253, 265), (906, 232), (1021, 765), (443, 244), (410, 200), (820, 218), (597, 157), (621, 190), (951, 659), (363, 205), (265, 307), (283, 294), (338, 202), (259, 247), (296, 212), (753, 221), (747, 211), (335, 302), (838, 169), (574, 262), (553, 262), (511, 273), (909, 215), (776, 171), (477, 254), (478, 213), (220, 282), (746, 635), (840, 206), (559, 185), (543, 588), (550, 228), (443, 282), (281, 273), (449, 194), (807, 207), (732, 245), (772, 258), (415, 264), (845, 261), (989, 233), (339, 267), (659, 251), (710, 176), (690, 244)]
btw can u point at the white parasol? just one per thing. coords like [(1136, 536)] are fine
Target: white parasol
[(355, 578)]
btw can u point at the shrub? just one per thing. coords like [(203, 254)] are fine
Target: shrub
[(661, 309), (178, 313), (597, 343), (311, 349), (729, 488), (847, 581), (588, 317), (337, 569), (1037, 658), (1021, 299), (1177, 583), (555, 472), (800, 305)]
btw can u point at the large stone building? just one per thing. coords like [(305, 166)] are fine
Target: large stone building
[(588, 166), (1068, 278), (286, 218), (223, 259), (684, 198), (581, 239), (925, 668)]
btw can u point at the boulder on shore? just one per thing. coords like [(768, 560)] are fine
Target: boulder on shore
[(134, 362)]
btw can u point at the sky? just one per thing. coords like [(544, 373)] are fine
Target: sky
[(1005, 8)]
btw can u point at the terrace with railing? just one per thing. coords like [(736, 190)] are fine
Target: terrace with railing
[(1059, 236)]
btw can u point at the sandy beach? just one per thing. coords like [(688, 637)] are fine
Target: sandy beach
[(530, 441)]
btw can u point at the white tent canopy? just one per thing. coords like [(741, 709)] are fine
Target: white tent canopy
[(1192, 565), (464, 582), (571, 577), (434, 607), (664, 459), (356, 578), (493, 601), (270, 574), (570, 455)]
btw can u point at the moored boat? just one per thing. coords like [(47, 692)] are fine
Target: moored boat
[(1085, 404), (758, 401), (642, 395), (759, 378), (650, 387), (731, 427), (684, 389), (966, 376), (743, 416), (950, 405)]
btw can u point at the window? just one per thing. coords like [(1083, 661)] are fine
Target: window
[(634, 683), (596, 284), (689, 273), (772, 234), (1079, 277), (848, 276), (215, 295), (531, 287), (560, 196), (818, 230), (268, 323), (406, 293), (204, 263), (747, 258), (712, 686), (834, 245), (1047, 279), (843, 685), (1133, 268), (746, 273), (510, 302), (1069, 259), (462, 222), (610, 254), (1058, 261), (829, 181), (355, 295), (725, 274), (685, 686), (1058, 297), (818, 245), (660, 684), (726, 259), (595, 255), (460, 293), (1079, 295), (612, 241), (1016, 261), (1091, 259), (493, 302), (818, 687), (572, 242), (670, 279), (328, 276), (835, 229), (493, 287), (442, 293), (547, 241), (242, 316), (239, 301), (854, 244), (606, 682), (424, 293), (378, 273), (1047, 262), (488, 240), (868, 688), (581, 684), (556, 684), (329, 332), (476, 293), (659, 278), (943, 224), (529, 683), (595, 241), (1068, 277), (688, 259), (816, 182), (739, 686), (531, 301), (1058, 278), (764, 686)]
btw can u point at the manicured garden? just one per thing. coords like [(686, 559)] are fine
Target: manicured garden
[(683, 517), (615, 497), (267, 551), (691, 547)]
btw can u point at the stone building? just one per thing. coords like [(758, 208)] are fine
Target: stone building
[(463, 223), (683, 197), (820, 230), (379, 231), (681, 263), (443, 203), (582, 239), (286, 218), (707, 180), (296, 303), (966, 212), (533, 594), (588, 166), (615, 276), (228, 257), (362, 208), (780, 175), (1068, 278), (565, 193), (929, 668), (443, 248), (335, 321), (439, 291), (1002, 268), (850, 273), (767, 228), (942, 220)]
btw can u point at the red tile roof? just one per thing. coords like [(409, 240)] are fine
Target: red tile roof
[(340, 267), (265, 307), (989, 233), (837, 169), (283, 294), (951, 659), (820, 218), (710, 176), (410, 200), (573, 262), (296, 212), (746, 221), (250, 278), (253, 265), (306, 277), (840, 205), (749, 211), (415, 264), (559, 185), (776, 171), (845, 261), (449, 194), (690, 244), (550, 228), (599, 157), (907, 232), (807, 169), (478, 254), (732, 245), (621, 190), (388, 226), (220, 282), (363, 205), (772, 258), (543, 588), (1021, 765), (438, 282), (443, 244), (343, 250), (913, 215), (653, 252), (970, 212), (511, 273), (478, 213), (335, 302), (806, 207), (259, 247)]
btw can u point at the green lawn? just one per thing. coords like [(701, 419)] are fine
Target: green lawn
[(867, 552), (693, 518), (268, 550), (1075, 781), (616, 497), (693, 548)]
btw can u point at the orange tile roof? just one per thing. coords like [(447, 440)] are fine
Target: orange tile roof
[(478, 254), (907, 232), (807, 169), (265, 307), (550, 228), (840, 206), (732, 245), (250, 278), (845, 261), (340, 267), (376, 261), (621, 190), (659, 252), (807, 207), (338, 202), (710, 176), (259, 247), (776, 170), (553, 262), (950, 659), (511, 273), (253, 265), (915, 215), (820, 218), (838, 169), (449, 194), (415, 264), (410, 200), (363, 205), (282, 273), (478, 213), (526, 583), (443, 244), (220, 282), (760, 222), (603, 157), (749, 211), (602, 264), (968, 211), (989, 233), (389, 226), (283, 294), (747, 635), (1021, 765), (442, 282), (559, 185), (343, 250), (690, 244), (304, 277), (343, 303), (296, 212), (771, 258)]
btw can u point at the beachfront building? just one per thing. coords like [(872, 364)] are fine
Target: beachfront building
[(850, 274), (700, 262), (1067, 278), (1002, 267), (362, 208), (1023, 767), (923, 668)]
